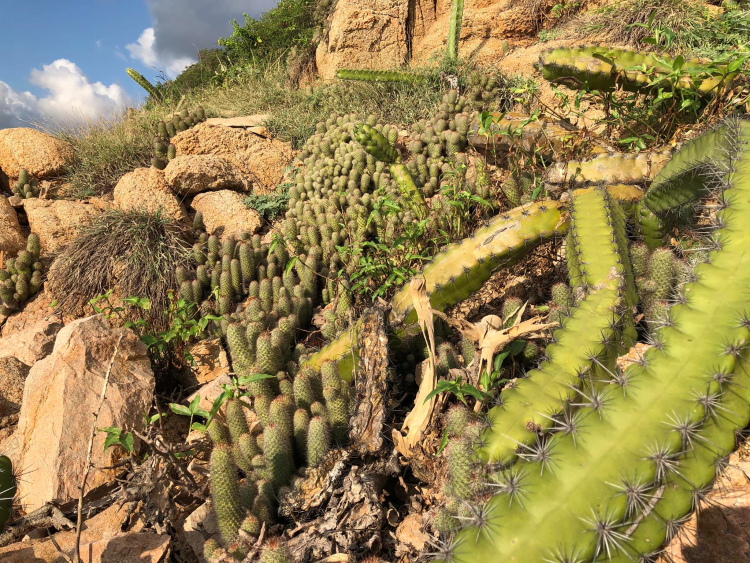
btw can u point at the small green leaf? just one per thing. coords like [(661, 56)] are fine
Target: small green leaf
[(195, 403), (443, 443), (180, 409)]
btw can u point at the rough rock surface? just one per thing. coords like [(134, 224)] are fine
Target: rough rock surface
[(146, 189), (196, 173), (210, 360), (57, 222), (60, 398), (102, 541), (224, 213), (365, 34), (386, 34), (13, 374), (37, 309), (33, 343), (11, 236), (260, 159), (40, 153)]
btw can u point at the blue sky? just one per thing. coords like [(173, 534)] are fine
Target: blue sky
[(65, 60)]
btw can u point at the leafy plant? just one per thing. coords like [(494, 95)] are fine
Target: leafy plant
[(272, 205)]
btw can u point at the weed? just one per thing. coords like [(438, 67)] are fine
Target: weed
[(271, 205)]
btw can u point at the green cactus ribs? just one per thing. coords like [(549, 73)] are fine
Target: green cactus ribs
[(454, 31), (462, 268), (7, 490), (586, 348), (604, 68), (625, 466), (145, 84)]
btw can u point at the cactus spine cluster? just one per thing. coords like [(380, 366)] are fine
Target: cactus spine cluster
[(7, 490), (26, 187), (21, 278), (624, 464)]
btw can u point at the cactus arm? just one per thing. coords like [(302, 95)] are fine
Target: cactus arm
[(603, 68), (409, 189), (343, 351), (643, 430), (145, 84), (454, 32), (598, 251), (684, 179), (379, 75), (462, 268)]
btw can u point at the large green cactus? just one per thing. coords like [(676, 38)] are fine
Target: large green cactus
[(604, 68), (624, 469), (145, 84), (587, 346), (7, 490)]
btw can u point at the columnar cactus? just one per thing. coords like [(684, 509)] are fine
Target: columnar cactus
[(7, 490)]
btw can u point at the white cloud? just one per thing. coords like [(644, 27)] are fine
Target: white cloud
[(71, 97), (144, 50), (182, 27)]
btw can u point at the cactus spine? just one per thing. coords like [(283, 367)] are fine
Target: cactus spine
[(7, 490)]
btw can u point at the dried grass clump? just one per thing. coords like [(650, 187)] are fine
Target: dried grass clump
[(133, 252)]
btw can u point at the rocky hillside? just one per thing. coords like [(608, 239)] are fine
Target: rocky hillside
[(472, 285)]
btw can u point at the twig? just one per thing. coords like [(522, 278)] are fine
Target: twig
[(79, 522), (48, 516)]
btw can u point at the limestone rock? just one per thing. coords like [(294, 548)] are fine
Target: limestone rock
[(11, 236), (224, 213), (210, 391), (245, 121), (37, 309), (33, 343), (209, 360), (194, 174), (368, 34), (146, 189), (42, 154), (60, 398), (260, 159), (13, 374), (57, 222)]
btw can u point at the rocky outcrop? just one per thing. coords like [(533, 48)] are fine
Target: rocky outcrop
[(208, 360), (196, 173), (386, 34), (225, 213), (368, 34), (57, 222), (260, 159), (33, 343), (11, 236), (43, 155), (60, 398), (146, 189)]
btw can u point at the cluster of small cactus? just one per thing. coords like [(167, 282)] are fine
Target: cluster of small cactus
[(293, 421), (21, 278), (26, 186), (656, 273), (7, 490), (164, 150)]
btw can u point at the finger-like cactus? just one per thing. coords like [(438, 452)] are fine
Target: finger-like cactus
[(7, 490), (454, 30), (225, 492), (145, 84), (379, 75), (587, 346)]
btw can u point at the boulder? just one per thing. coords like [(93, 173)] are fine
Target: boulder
[(11, 236), (13, 374), (225, 213), (260, 159), (209, 360), (146, 189), (39, 307), (42, 154), (57, 222), (60, 399), (196, 173), (33, 343)]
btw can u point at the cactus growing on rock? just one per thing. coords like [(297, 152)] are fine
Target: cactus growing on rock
[(22, 277)]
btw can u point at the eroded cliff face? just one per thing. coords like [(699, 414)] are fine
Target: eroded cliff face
[(385, 34)]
